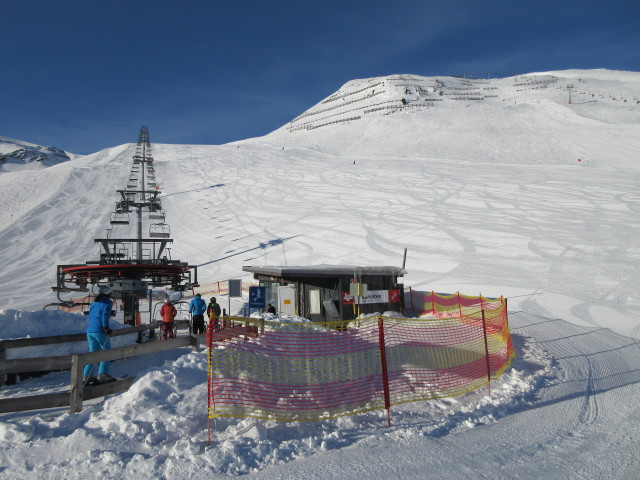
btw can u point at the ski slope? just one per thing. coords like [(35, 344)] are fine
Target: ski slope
[(487, 196)]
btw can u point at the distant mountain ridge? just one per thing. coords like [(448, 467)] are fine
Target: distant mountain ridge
[(18, 155), (545, 118), (396, 93)]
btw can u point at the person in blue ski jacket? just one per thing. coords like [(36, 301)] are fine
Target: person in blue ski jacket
[(98, 332), (197, 307)]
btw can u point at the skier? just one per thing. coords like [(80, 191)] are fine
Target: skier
[(197, 307), (213, 312), (168, 313), (98, 332)]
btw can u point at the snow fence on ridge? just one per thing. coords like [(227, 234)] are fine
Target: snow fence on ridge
[(312, 371)]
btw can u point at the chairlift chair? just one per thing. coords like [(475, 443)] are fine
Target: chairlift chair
[(121, 250), (119, 218), (157, 216), (115, 254), (159, 230), (122, 207)]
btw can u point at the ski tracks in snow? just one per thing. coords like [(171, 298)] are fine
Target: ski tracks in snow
[(598, 374)]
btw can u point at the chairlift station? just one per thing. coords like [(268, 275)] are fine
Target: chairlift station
[(131, 265), (331, 292)]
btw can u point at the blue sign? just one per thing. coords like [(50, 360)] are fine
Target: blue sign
[(257, 297)]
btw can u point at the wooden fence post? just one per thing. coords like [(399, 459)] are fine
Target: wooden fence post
[(433, 302), (77, 385), (505, 312)]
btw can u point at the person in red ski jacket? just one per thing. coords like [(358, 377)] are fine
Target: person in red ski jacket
[(168, 313)]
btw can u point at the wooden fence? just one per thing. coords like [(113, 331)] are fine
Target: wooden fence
[(75, 363)]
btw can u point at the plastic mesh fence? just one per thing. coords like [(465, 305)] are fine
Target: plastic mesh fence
[(449, 304), (312, 371)]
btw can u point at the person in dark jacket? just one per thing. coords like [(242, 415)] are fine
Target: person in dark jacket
[(197, 308), (271, 309), (98, 332), (213, 312)]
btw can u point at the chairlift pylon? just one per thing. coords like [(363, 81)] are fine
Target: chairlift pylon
[(139, 261)]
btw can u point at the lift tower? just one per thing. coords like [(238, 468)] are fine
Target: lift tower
[(130, 265)]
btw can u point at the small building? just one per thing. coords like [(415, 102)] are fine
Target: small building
[(331, 292)]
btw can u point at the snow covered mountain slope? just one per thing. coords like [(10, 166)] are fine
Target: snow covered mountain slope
[(486, 195), (362, 190), (19, 155), (519, 120)]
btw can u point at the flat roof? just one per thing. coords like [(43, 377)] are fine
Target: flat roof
[(324, 270)]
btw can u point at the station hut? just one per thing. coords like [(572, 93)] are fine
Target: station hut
[(330, 292)]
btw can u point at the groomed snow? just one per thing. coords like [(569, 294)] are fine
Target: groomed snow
[(487, 197)]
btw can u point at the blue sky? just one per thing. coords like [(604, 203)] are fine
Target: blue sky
[(83, 75)]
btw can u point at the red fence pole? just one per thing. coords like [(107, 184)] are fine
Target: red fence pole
[(486, 350), (385, 372), (209, 396)]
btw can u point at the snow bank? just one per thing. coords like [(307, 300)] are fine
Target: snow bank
[(159, 427)]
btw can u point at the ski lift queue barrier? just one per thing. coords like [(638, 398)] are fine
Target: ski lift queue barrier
[(314, 371), (448, 304)]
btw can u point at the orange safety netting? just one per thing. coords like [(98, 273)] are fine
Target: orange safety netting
[(311, 371), (448, 304)]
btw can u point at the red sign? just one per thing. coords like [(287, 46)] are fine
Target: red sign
[(373, 296), (347, 298)]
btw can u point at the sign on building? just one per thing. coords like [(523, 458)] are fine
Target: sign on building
[(257, 297), (372, 296), (286, 300)]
